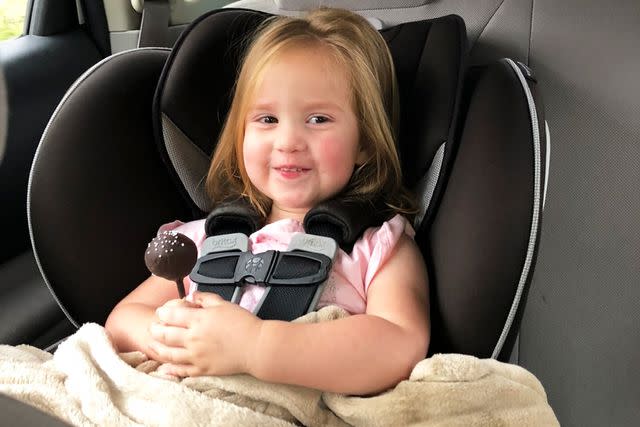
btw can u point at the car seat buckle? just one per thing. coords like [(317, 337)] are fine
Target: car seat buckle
[(293, 279)]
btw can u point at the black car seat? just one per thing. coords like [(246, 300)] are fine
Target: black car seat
[(128, 147)]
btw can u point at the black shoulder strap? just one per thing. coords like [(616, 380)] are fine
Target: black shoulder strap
[(235, 216), (344, 220)]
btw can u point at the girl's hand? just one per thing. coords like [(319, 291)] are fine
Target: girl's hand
[(209, 336)]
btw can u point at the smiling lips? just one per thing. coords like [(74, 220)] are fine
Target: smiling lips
[(290, 171)]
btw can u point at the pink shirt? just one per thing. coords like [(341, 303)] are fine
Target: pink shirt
[(350, 275)]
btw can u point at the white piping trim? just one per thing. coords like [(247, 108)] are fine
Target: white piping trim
[(52, 347), (547, 162), (66, 96), (536, 209)]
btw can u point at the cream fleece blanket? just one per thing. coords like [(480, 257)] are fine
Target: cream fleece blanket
[(86, 383)]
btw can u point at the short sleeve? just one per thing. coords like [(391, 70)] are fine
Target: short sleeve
[(377, 244)]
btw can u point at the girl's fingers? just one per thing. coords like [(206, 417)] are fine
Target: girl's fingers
[(179, 303), (168, 354), (169, 335), (178, 370), (176, 316), (207, 299)]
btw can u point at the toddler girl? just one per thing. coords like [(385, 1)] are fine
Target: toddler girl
[(311, 119)]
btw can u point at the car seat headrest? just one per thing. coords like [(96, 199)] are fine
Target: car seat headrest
[(301, 5), (195, 90)]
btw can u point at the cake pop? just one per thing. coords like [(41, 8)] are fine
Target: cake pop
[(171, 255)]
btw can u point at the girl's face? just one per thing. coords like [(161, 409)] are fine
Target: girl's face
[(301, 140)]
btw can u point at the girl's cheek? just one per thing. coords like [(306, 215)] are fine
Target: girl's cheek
[(334, 156), (256, 158), (249, 147)]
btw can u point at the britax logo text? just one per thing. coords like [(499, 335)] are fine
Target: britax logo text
[(224, 243), (313, 243)]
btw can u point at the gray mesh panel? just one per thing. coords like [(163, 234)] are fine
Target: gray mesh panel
[(425, 187), (190, 163)]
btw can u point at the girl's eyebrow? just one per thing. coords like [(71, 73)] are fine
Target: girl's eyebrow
[(323, 105), (308, 105), (261, 105)]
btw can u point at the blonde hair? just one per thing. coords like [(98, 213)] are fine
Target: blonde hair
[(362, 52)]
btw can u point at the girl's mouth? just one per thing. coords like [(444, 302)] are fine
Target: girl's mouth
[(291, 171)]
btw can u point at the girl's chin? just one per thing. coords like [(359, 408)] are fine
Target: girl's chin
[(291, 207)]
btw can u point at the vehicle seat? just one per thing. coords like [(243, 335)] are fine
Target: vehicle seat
[(129, 145)]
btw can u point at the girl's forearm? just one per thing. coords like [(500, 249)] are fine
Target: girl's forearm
[(361, 354), (128, 326)]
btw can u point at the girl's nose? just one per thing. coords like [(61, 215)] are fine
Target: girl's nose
[(290, 138)]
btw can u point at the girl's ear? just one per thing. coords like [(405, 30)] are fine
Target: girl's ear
[(362, 157)]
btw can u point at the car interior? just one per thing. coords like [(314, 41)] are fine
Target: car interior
[(521, 130)]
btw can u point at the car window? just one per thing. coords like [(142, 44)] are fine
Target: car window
[(12, 13)]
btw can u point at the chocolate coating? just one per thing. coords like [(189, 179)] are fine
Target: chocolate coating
[(171, 255)]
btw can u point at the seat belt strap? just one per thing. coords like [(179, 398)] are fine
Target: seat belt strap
[(154, 26)]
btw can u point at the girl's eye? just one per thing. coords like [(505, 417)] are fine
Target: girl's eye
[(268, 120), (316, 120)]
